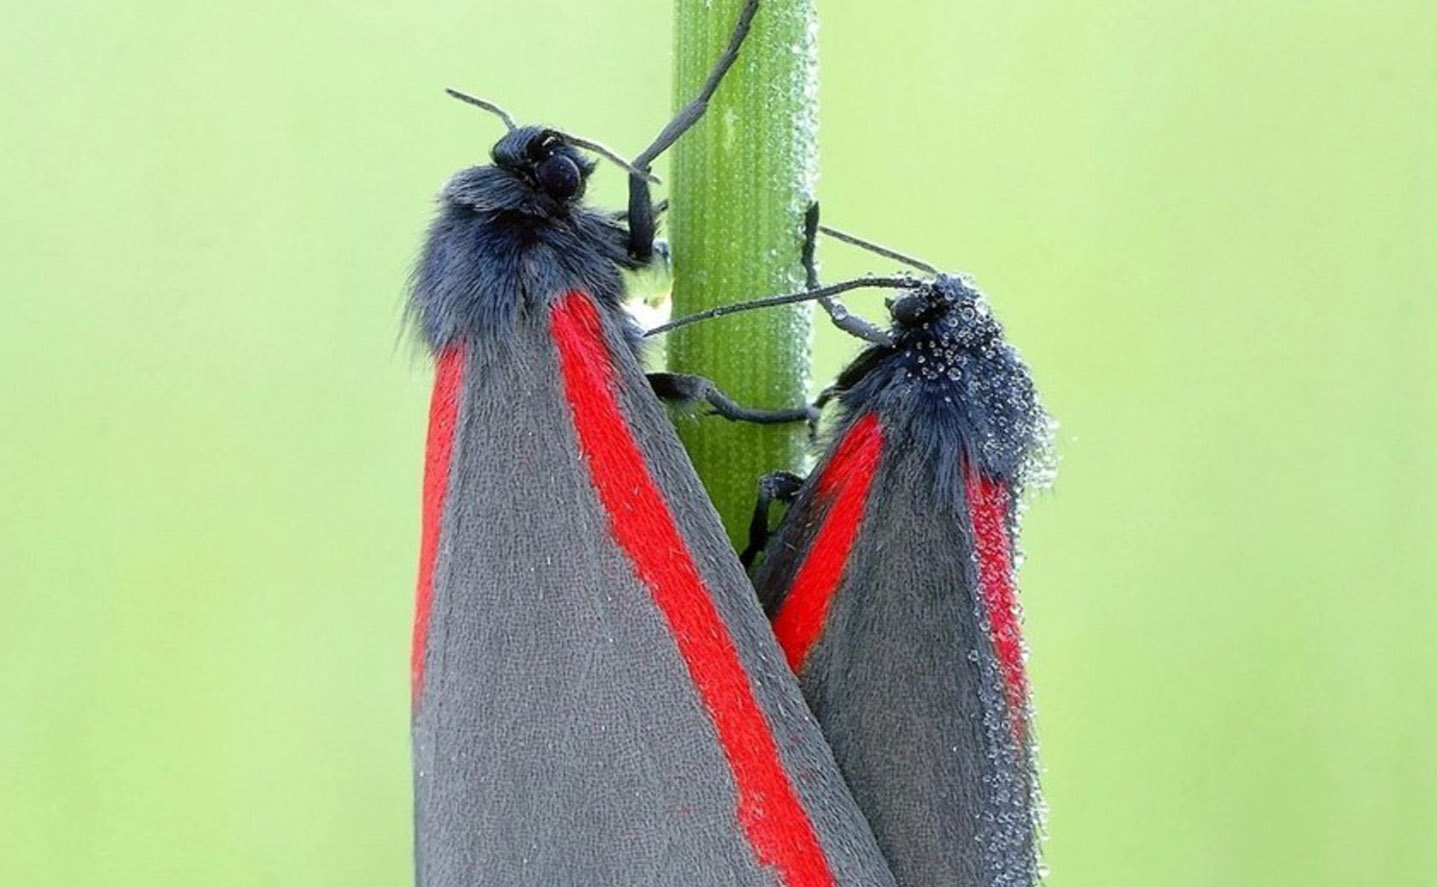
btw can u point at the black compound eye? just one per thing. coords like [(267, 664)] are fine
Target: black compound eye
[(559, 177), (911, 309)]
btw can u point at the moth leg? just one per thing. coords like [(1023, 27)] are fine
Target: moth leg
[(641, 208), (683, 388), (641, 241), (852, 324), (779, 485), (826, 395), (809, 253), (696, 107), (642, 225), (837, 312)]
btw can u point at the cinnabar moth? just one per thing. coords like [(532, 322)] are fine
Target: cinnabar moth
[(598, 698), (890, 583)]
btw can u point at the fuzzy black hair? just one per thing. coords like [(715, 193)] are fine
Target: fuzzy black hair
[(952, 387), (500, 245)]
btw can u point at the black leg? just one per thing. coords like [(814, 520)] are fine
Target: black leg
[(826, 395), (837, 312), (642, 228), (683, 388), (642, 221), (696, 108), (810, 246), (853, 324), (641, 210), (780, 485)]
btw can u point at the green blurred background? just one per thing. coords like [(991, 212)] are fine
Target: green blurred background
[(1211, 227)]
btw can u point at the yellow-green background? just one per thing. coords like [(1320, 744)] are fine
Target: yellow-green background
[(1212, 228)]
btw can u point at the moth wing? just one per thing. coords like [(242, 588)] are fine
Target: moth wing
[(562, 734), (904, 678)]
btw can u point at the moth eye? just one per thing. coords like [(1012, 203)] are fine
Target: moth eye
[(559, 177), (541, 146), (910, 309)]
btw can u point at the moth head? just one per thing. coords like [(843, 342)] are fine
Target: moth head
[(950, 307), (545, 161), (916, 306)]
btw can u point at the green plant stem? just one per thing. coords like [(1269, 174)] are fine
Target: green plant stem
[(741, 181)]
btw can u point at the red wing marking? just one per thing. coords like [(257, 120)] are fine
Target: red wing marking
[(443, 417), (844, 486), (988, 504), (769, 811)]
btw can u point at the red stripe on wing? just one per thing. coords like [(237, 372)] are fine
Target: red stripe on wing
[(769, 811), (439, 450), (844, 485), (988, 504)]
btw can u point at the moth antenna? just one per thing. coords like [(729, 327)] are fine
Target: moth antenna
[(878, 250), (675, 128), (696, 107), (634, 169), (808, 295), (486, 105)]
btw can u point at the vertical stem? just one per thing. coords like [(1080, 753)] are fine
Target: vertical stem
[(741, 181)]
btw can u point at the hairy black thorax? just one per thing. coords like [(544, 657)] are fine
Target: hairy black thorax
[(952, 386), (503, 244)]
